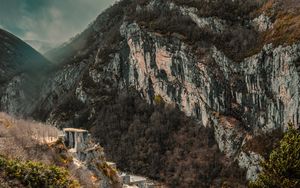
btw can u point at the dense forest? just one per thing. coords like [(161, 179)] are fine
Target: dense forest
[(159, 141)]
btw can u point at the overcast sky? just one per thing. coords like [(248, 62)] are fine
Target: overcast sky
[(49, 20)]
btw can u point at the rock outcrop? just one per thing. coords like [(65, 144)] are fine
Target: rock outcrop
[(92, 157), (262, 23), (251, 162)]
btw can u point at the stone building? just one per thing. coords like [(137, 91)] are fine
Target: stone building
[(76, 139), (79, 142), (135, 181)]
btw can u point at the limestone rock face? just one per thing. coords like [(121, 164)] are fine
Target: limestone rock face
[(258, 94), (271, 78), (229, 134), (261, 91), (262, 23), (55, 89), (250, 161), (212, 23), (156, 67), (12, 96)]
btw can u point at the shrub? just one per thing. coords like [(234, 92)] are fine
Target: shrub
[(109, 171), (158, 100), (35, 174), (282, 169)]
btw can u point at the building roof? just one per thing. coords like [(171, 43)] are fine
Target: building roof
[(74, 130), (137, 178), (134, 179), (111, 163)]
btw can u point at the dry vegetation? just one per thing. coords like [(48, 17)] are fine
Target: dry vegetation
[(24, 140), (235, 41), (264, 143), (286, 27), (156, 141), (239, 40), (225, 9), (285, 16), (160, 142)]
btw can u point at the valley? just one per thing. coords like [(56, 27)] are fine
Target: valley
[(185, 93)]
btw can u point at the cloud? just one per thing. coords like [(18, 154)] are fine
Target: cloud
[(49, 20)]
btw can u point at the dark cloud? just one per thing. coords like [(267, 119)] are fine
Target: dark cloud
[(53, 21)]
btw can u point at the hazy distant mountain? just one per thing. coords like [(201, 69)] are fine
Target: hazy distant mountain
[(41, 46), (21, 73)]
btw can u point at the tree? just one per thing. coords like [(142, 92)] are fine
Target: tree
[(282, 169)]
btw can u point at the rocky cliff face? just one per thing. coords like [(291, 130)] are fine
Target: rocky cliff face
[(239, 98), (260, 93)]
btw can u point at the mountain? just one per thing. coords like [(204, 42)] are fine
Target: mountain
[(41, 46), (21, 69), (181, 91)]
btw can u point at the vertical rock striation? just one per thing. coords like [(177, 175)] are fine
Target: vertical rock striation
[(258, 94)]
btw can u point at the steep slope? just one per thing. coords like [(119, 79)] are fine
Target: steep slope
[(33, 154), (21, 72), (230, 65), (102, 33)]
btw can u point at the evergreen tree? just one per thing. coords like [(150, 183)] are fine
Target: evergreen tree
[(282, 169)]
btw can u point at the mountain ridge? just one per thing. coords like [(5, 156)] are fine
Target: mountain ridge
[(225, 75), (141, 62), (22, 71)]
